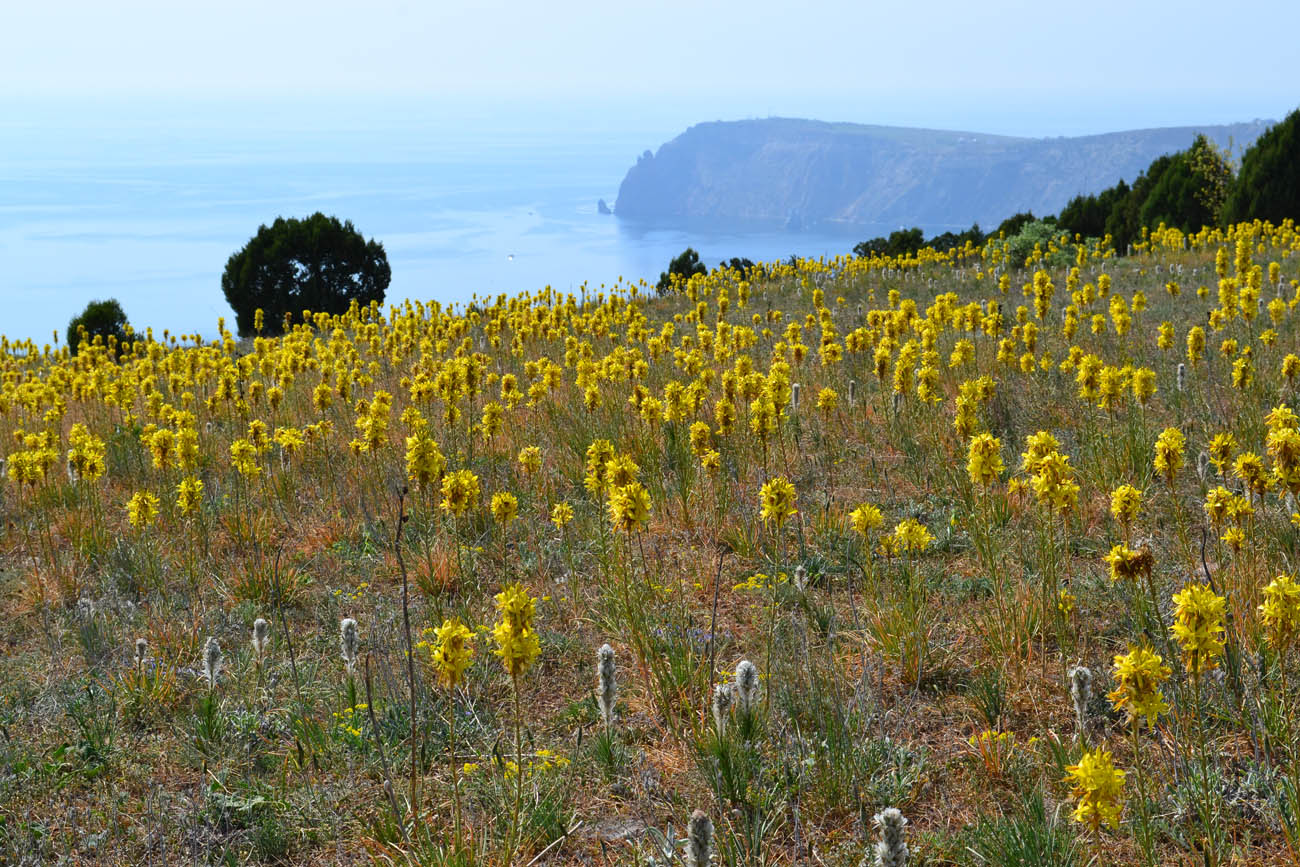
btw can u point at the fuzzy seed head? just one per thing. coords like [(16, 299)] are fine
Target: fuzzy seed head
[(261, 629), (721, 706), (608, 683), (700, 835), (891, 850), (1081, 692), (211, 661), (746, 685), (349, 641)]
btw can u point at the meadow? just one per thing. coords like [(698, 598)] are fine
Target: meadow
[(966, 557)]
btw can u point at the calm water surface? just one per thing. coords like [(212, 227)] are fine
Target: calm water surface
[(148, 209)]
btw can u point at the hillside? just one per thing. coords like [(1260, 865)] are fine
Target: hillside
[(811, 174)]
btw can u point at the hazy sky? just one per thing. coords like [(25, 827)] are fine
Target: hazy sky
[(998, 66)]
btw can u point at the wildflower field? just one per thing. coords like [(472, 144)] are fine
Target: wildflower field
[(948, 559)]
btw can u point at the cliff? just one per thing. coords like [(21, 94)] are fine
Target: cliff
[(827, 176)]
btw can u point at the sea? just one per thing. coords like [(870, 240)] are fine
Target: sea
[(146, 204)]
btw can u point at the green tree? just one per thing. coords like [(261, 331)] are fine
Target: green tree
[(685, 266), (316, 264), (104, 319), (1268, 185)]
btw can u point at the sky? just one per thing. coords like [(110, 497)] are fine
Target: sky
[(997, 66)]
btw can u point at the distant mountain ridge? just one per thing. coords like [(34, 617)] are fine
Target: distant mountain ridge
[(807, 174)]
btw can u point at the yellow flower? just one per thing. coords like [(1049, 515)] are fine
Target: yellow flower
[(777, 499), (629, 507), (460, 492), (189, 495), (243, 456), (866, 518), (505, 507), (620, 470), (1198, 626), (86, 457), (1221, 449), (1138, 675), (1053, 482), (985, 462), (452, 653), (142, 508), (701, 439), (598, 456), (1098, 786), (1065, 602), (516, 640), (1281, 611), (561, 514), (911, 536), (424, 461), (530, 458), (1169, 452), (1128, 564), (1125, 501), (162, 445), (1037, 447)]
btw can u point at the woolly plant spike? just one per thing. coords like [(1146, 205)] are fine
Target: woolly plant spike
[(261, 630), (700, 836), (211, 661), (891, 850), (608, 684), (746, 685), (349, 642), (1081, 692), (721, 707)]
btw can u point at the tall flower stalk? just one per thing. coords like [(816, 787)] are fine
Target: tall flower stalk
[(518, 648)]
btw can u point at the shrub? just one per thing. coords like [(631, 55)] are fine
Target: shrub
[(316, 264), (104, 319)]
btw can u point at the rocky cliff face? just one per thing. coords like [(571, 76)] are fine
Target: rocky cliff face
[(810, 174)]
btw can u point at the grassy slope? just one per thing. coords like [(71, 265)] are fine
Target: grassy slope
[(874, 676)]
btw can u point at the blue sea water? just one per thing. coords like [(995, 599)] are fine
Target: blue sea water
[(147, 208)]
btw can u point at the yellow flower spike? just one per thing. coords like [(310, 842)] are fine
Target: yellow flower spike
[(1125, 502), (516, 640), (985, 462), (1138, 675), (1169, 453), (530, 459), (911, 536), (460, 492), (1280, 612), (777, 501), (189, 495), (142, 509), (866, 518), (1198, 627), (629, 507), (1098, 788), (452, 652), (504, 507), (561, 514)]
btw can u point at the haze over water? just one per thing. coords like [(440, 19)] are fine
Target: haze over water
[(147, 208)]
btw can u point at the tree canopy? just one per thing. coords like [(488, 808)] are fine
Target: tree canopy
[(317, 264), (104, 319), (1268, 185), (686, 265)]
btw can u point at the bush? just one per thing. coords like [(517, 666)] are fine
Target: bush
[(104, 319), (1268, 185), (316, 264), (683, 268), (1037, 232)]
